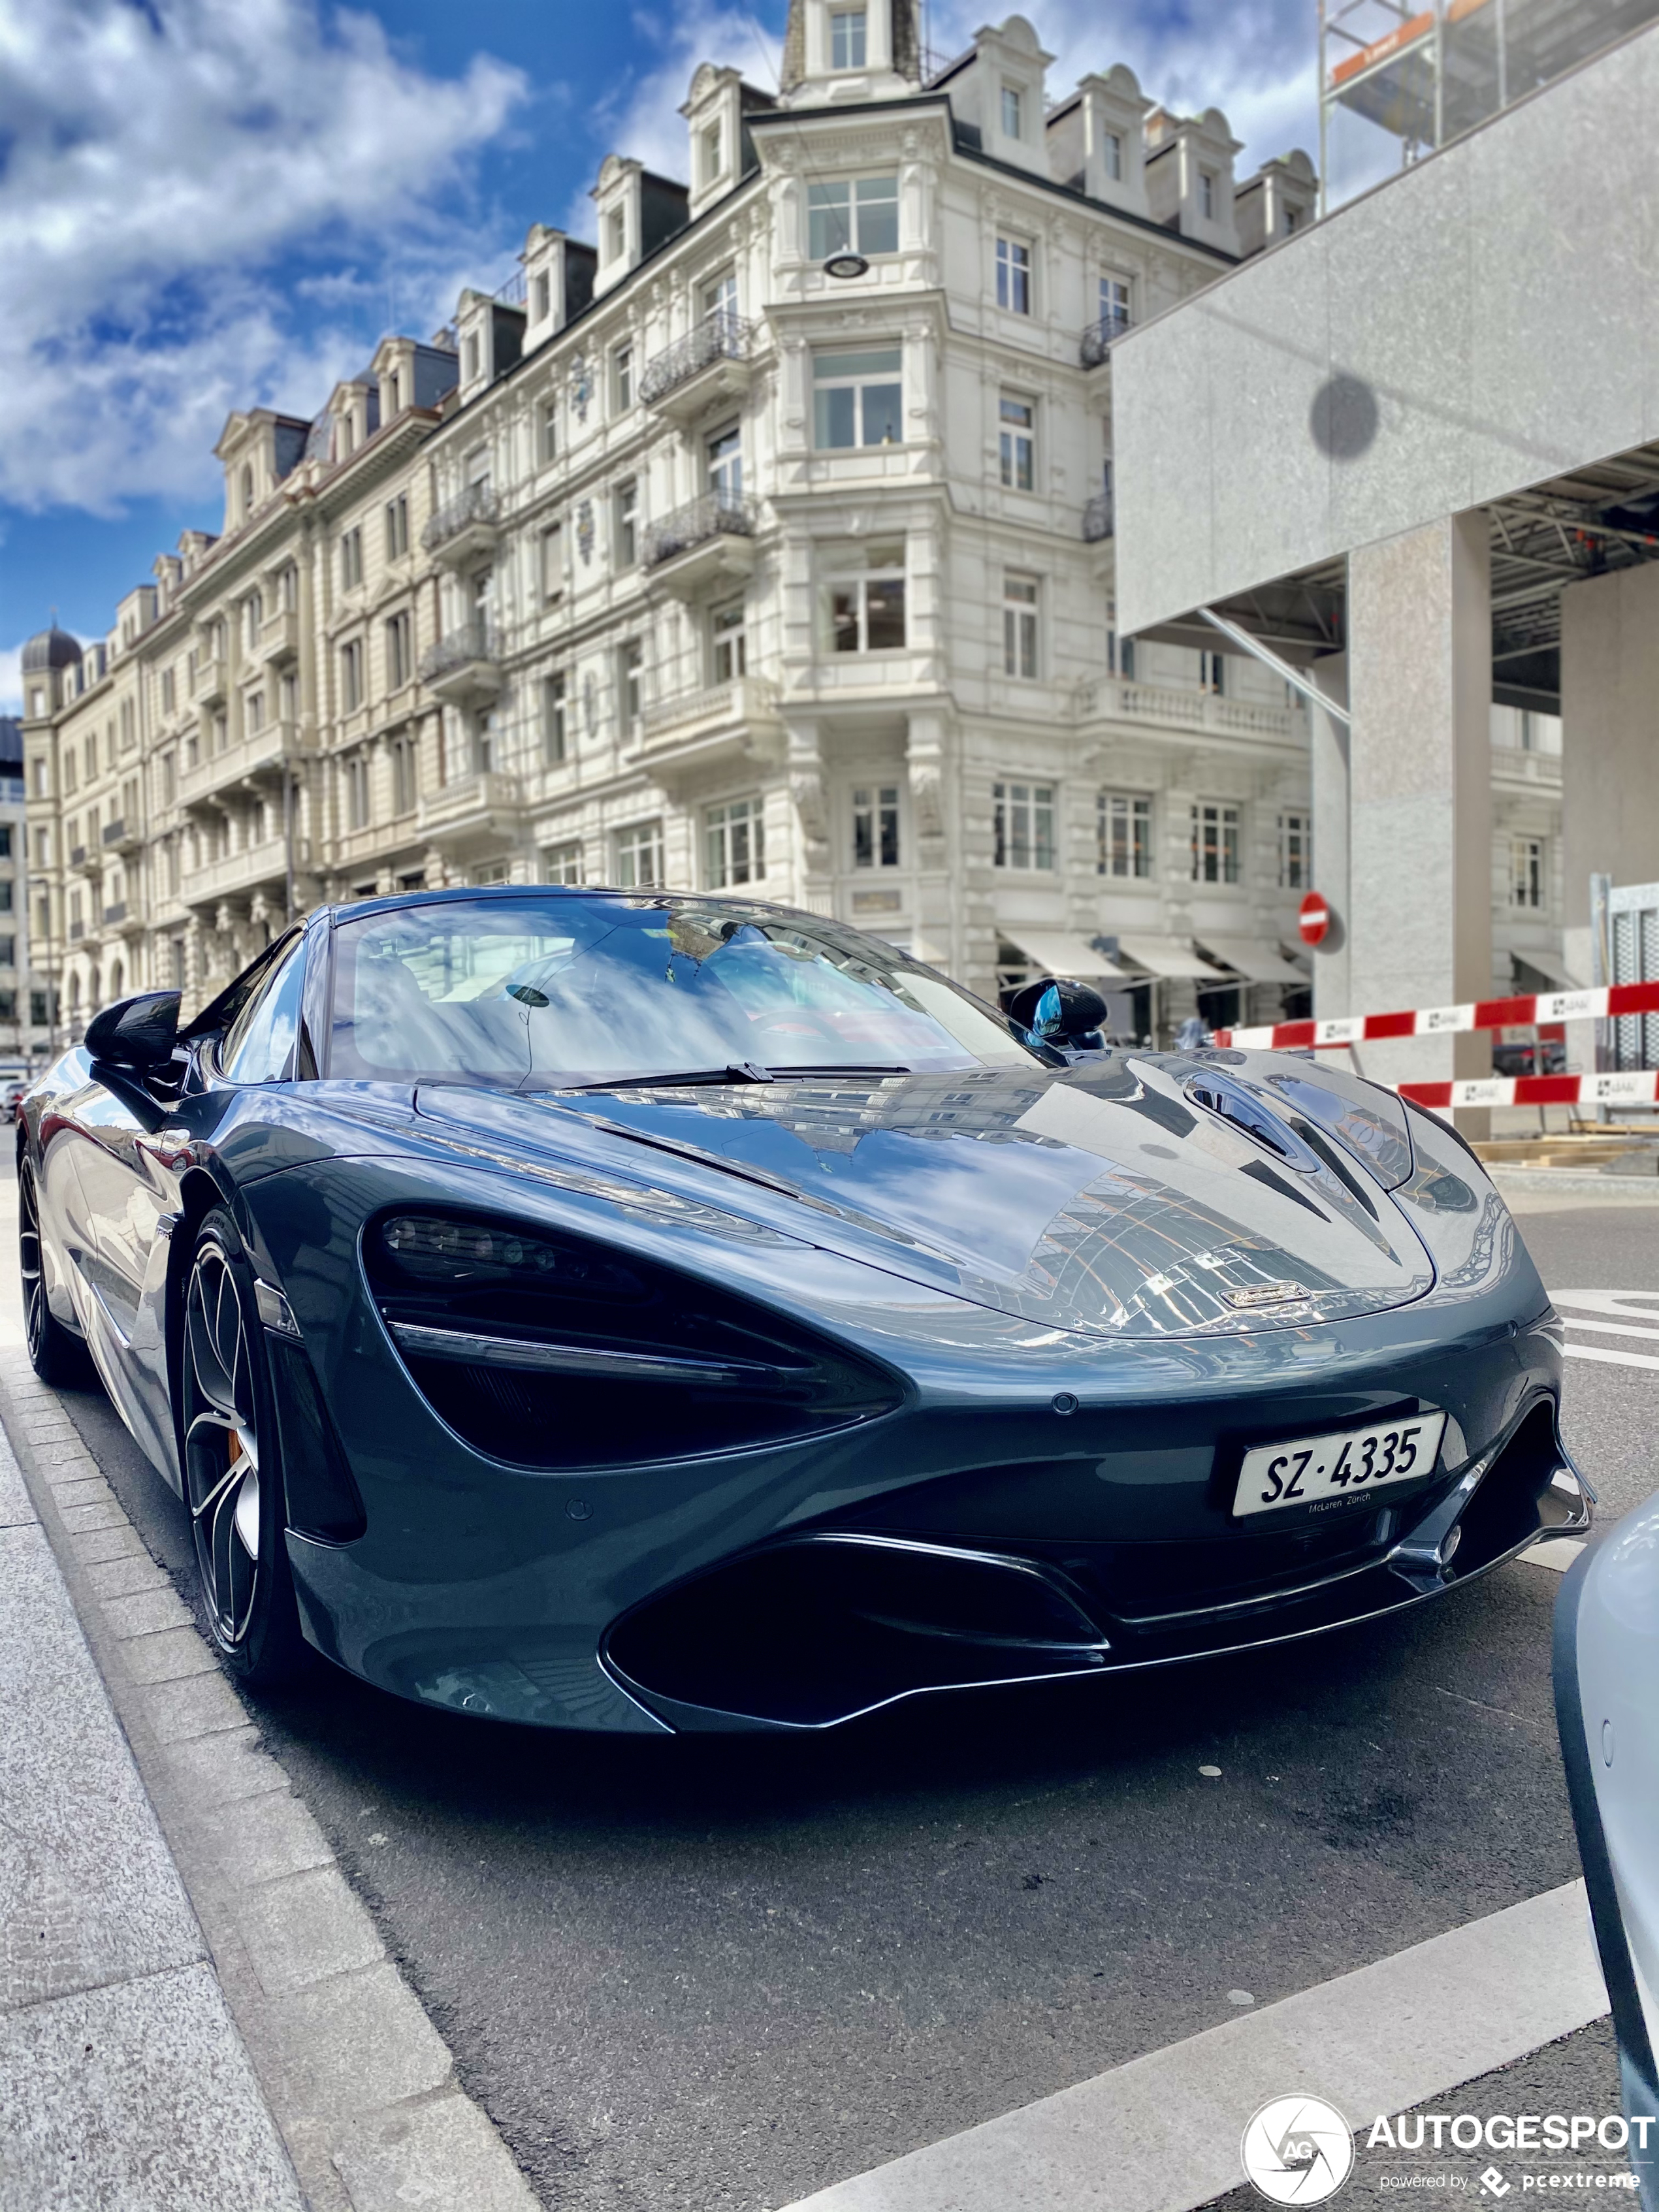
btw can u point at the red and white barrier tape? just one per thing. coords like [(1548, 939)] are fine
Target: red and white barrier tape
[(1638, 1088), (1447, 1021)]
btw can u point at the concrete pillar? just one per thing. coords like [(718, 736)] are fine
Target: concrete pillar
[(1328, 763), (1420, 873), (1609, 744)]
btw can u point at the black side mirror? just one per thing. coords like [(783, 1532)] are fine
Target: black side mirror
[(1058, 1009), (139, 1032)]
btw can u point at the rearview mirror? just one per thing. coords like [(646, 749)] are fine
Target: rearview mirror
[(1059, 1010), (139, 1032)]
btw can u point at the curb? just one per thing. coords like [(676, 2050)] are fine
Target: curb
[(1591, 1185), (357, 2080)]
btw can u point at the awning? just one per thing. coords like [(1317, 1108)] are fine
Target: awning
[(1546, 964), (1058, 953), (1170, 955), (1256, 960)]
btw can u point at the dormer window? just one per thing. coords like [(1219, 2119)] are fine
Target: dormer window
[(1013, 112), (541, 296), (393, 394), (1111, 147), (469, 357), (247, 492), (1206, 194), (616, 234), (848, 37), (713, 154)]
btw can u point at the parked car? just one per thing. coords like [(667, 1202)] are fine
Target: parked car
[(1607, 1704), (644, 1311)]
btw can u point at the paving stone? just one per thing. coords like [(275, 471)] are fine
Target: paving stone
[(15, 1510), (138, 2095), (350, 2045), (167, 1655), (80, 1490), (121, 1578), (192, 1706), (443, 2153), (79, 1519), (123, 1543), (221, 1768), (303, 1929), (262, 1839), (146, 1611)]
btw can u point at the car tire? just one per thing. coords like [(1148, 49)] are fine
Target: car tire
[(58, 1356), (232, 1462)]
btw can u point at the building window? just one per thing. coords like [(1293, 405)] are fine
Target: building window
[(541, 297), (403, 775), (630, 669), (858, 217), (288, 585), (626, 507), (714, 153), (616, 234), (554, 727), (1206, 194), (1124, 835), (169, 691), (397, 527), (399, 651), (289, 694), (469, 357), (356, 783), (1114, 303), (1014, 275), (1111, 154), (876, 826), (857, 398), (1019, 625), (563, 864), (1024, 824), (1215, 842), (734, 839), (255, 713), (1293, 217), (552, 561), (639, 856), (253, 613), (351, 560), (719, 297), (730, 643), (724, 455), (39, 766), (848, 37), (1212, 673), (1527, 872), (622, 378), (1017, 439), (1295, 852), (1013, 112), (352, 675), (866, 606), (549, 430)]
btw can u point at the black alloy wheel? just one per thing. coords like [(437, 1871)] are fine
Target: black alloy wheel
[(232, 1473), (55, 1354)]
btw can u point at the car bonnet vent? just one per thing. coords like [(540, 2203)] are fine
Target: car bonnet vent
[(1231, 1102)]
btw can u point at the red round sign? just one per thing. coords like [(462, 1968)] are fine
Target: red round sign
[(1315, 919)]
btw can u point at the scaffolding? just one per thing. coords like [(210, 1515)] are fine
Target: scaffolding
[(1425, 76)]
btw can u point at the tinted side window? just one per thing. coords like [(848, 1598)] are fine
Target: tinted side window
[(259, 1045)]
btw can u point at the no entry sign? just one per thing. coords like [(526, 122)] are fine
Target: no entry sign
[(1314, 920)]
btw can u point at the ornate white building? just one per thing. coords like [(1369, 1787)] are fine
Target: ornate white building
[(765, 545)]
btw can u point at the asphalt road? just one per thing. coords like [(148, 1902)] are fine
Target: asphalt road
[(709, 1973)]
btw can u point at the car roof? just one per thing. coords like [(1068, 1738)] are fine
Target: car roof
[(464, 894)]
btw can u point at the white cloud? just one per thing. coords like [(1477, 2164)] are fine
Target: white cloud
[(160, 160)]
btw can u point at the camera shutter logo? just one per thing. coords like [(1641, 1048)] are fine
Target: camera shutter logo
[(1297, 2150)]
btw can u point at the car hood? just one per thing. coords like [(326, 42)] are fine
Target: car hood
[(1097, 1198)]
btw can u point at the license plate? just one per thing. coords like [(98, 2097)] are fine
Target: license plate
[(1347, 1463)]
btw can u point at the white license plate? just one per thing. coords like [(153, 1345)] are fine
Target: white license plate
[(1347, 1463)]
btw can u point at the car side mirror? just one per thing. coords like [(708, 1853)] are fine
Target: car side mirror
[(1059, 1010), (139, 1032)]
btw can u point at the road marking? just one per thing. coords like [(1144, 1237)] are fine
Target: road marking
[(1162, 2134), (1556, 1552), (1611, 1327), (1639, 1305), (1605, 1351)]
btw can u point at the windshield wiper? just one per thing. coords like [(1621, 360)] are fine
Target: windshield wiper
[(740, 1071)]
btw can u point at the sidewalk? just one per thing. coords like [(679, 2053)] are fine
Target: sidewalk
[(123, 2079)]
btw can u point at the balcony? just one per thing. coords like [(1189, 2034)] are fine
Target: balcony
[(1098, 339), (708, 543), (707, 366), (1098, 520), (251, 760), (77, 930), (122, 916), (1118, 699), (87, 860), (119, 838), (279, 637), (208, 686), (257, 865), (698, 727), (472, 810), (466, 531), (462, 668)]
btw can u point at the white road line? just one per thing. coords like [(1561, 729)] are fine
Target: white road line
[(1610, 1328), (1637, 1305), (1605, 1351), (1556, 1552), (1162, 2134)]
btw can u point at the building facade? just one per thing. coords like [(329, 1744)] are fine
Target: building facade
[(765, 545)]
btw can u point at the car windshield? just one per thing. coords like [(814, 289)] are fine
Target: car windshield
[(574, 988)]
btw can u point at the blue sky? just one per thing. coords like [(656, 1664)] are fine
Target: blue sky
[(213, 204)]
